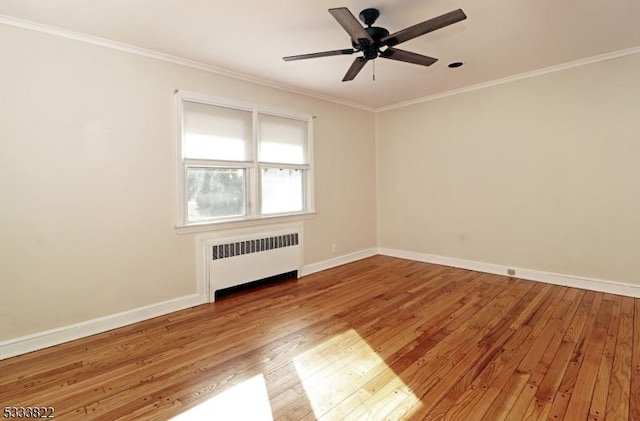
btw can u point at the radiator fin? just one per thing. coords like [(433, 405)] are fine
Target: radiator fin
[(223, 251)]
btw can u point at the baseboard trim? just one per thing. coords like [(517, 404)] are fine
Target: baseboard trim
[(338, 261), (22, 345), (592, 284), (45, 339)]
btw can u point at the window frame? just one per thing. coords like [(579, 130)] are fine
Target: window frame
[(253, 169)]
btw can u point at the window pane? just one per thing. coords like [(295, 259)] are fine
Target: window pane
[(212, 132), (281, 190), (283, 140), (215, 193)]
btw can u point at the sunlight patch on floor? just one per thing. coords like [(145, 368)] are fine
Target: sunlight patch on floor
[(345, 377), (247, 401)]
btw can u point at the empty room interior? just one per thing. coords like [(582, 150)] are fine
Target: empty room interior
[(380, 210)]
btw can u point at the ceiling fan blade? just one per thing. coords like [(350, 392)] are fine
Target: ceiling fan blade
[(350, 24), (407, 56), (423, 28), (321, 54), (355, 68)]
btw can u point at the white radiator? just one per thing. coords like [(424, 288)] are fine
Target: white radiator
[(237, 260)]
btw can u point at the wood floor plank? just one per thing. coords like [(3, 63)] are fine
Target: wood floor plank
[(491, 380), (523, 402), (569, 379), (379, 339), (634, 393), (619, 387), (562, 358), (601, 389), (530, 363), (495, 343), (435, 376), (581, 396), (423, 343), (490, 402), (503, 403)]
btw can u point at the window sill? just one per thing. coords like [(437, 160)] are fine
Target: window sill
[(243, 223)]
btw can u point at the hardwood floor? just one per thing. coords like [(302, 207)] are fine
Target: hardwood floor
[(379, 339)]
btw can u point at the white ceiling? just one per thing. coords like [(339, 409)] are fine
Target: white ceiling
[(250, 37)]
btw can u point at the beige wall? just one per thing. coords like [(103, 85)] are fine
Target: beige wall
[(542, 173), (87, 180)]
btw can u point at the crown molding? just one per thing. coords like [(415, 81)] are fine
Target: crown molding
[(509, 79), (103, 42)]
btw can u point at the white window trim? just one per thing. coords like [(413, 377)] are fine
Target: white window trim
[(253, 218)]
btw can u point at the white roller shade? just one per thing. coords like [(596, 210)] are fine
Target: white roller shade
[(217, 133), (283, 140)]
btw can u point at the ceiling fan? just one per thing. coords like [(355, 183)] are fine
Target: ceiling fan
[(372, 39)]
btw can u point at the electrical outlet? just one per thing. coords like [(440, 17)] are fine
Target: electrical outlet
[(334, 248), (511, 272)]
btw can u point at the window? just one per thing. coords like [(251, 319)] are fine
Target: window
[(239, 162)]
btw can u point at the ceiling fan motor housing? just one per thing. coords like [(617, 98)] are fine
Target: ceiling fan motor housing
[(371, 50)]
